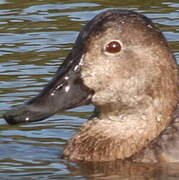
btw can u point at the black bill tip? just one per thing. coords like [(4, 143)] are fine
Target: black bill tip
[(23, 114), (9, 118)]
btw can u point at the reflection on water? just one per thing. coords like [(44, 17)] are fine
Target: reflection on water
[(35, 37)]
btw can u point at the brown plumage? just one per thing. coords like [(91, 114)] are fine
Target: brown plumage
[(136, 92), (122, 64)]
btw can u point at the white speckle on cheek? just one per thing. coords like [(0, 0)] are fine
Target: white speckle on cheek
[(159, 118), (52, 94), (144, 117), (67, 88), (140, 131)]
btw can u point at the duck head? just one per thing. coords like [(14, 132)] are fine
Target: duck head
[(122, 64)]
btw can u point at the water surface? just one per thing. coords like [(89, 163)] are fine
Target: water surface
[(35, 37)]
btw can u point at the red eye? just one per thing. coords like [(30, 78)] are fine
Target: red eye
[(113, 47)]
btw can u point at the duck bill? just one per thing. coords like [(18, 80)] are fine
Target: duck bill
[(64, 91)]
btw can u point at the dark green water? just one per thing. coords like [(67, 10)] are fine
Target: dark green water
[(35, 37)]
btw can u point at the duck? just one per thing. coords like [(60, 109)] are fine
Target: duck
[(122, 64)]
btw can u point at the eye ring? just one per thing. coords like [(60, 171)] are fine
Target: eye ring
[(113, 47)]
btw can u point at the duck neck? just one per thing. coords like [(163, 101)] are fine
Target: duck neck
[(130, 128), (118, 132)]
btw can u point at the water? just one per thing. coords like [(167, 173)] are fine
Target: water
[(35, 37)]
